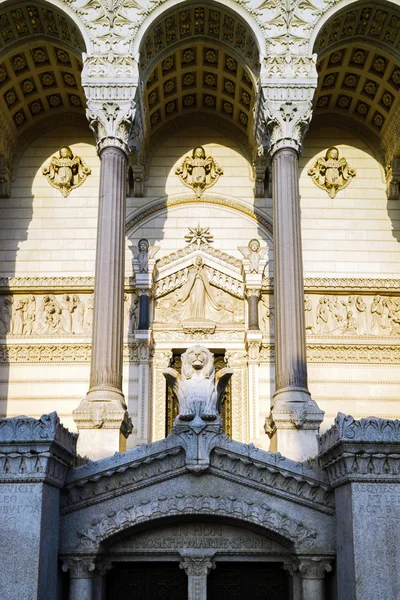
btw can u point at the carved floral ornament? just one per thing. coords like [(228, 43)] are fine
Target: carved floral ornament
[(331, 173), (198, 171), (66, 172)]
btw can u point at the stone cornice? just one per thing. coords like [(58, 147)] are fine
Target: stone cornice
[(343, 285), (365, 450), (265, 476), (36, 450), (133, 475), (45, 284)]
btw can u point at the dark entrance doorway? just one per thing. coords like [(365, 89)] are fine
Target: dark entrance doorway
[(248, 581), (147, 581)]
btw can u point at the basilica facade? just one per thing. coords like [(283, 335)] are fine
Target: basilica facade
[(220, 179)]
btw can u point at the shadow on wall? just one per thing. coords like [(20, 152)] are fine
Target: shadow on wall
[(355, 211), (35, 239)]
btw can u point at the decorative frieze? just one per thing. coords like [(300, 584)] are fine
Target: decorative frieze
[(259, 514)]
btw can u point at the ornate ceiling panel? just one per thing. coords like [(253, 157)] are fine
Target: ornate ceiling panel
[(359, 81), (198, 58), (375, 23), (20, 21), (38, 79)]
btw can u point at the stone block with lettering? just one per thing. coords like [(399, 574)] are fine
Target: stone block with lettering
[(35, 455), (362, 460)]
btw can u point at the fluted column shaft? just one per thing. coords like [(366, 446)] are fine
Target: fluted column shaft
[(290, 338), (107, 339)]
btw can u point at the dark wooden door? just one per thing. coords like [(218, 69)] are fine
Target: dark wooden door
[(147, 581), (247, 581)]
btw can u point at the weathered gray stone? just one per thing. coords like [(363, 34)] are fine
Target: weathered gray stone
[(35, 455), (362, 459)]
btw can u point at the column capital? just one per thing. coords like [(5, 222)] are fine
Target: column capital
[(110, 82), (79, 567), (197, 564), (288, 82), (253, 292), (314, 567)]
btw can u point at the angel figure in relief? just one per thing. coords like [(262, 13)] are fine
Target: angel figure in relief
[(199, 172), (143, 252), (331, 173), (253, 253), (66, 171)]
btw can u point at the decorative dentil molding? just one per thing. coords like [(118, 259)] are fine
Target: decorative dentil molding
[(260, 514)]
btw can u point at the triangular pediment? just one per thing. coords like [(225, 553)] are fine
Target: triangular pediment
[(234, 480)]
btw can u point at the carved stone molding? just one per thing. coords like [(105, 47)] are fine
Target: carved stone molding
[(365, 450), (134, 475), (216, 199), (196, 564), (300, 488), (262, 515), (44, 284), (353, 353), (36, 450), (314, 567), (79, 567), (110, 83)]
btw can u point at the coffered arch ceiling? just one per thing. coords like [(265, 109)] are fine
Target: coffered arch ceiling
[(359, 66), (40, 65), (199, 58)]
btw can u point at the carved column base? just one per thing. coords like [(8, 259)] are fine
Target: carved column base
[(103, 428), (293, 425)]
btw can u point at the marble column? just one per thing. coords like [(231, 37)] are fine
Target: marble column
[(295, 417), (312, 572), (197, 566), (102, 418), (81, 578), (253, 298)]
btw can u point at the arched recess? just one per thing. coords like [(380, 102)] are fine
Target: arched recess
[(359, 70), (156, 207), (108, 528), (198, 61)]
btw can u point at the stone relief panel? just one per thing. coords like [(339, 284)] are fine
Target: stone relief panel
[(341, 315), (66, 172), (331, 173), (198, 171), (194, 294), (56, 314)]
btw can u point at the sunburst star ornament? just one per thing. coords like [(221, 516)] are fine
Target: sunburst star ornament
[(199, 235)]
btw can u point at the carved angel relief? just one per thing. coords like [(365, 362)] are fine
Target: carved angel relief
[(199, 172), (253, 253), (66, 172), (142, 253), (331, 173)]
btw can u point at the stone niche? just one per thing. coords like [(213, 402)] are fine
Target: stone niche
[(220, 540)]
